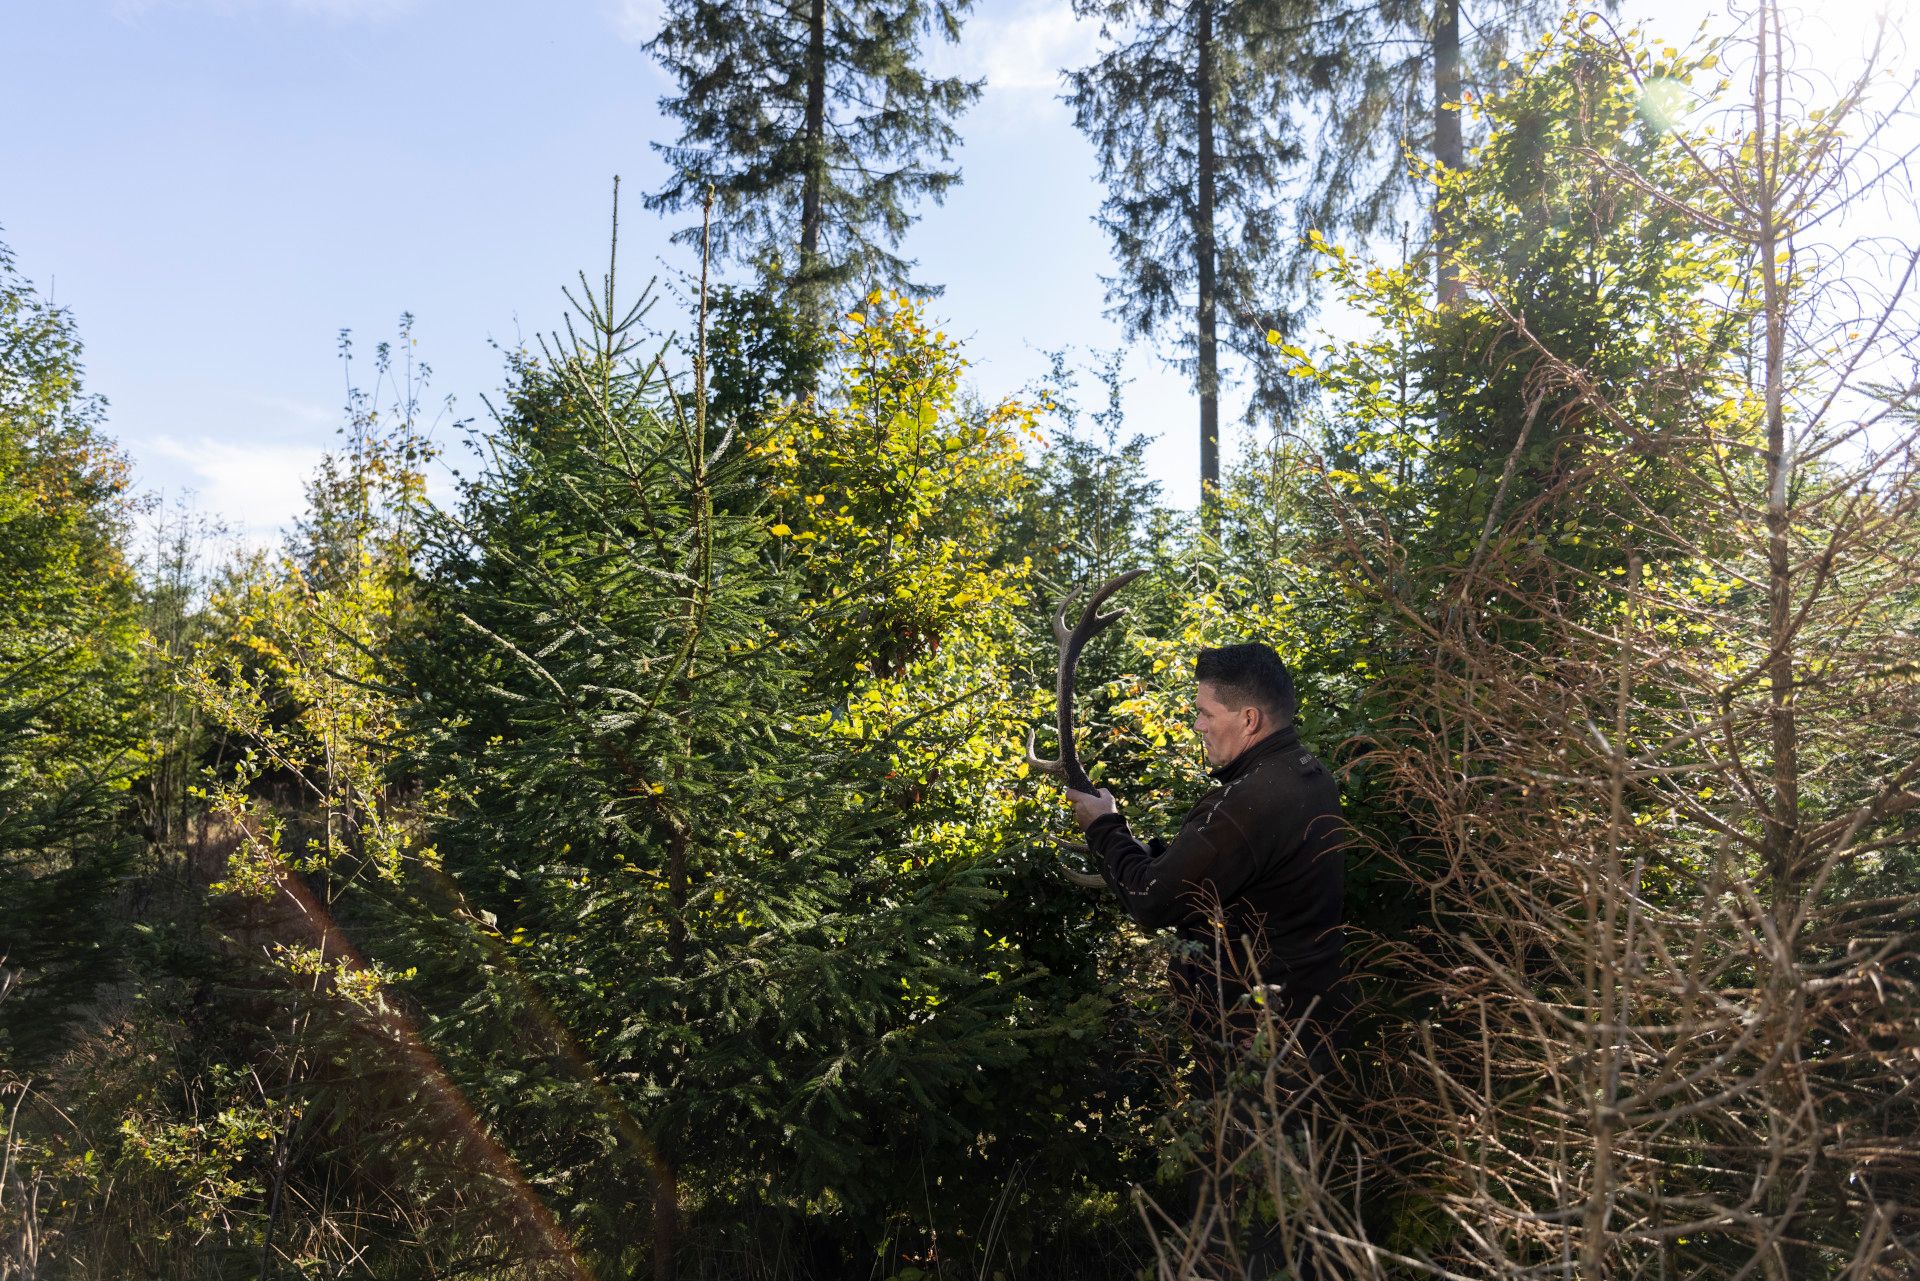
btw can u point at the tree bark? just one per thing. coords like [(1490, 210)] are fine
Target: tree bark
[(1781, 834), (1782, 825), (1448, 148), (666, 1221), (1205, 259), (811, 199), (677, 896), (666, 1183)]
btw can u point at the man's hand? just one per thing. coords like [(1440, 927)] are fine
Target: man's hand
[(1088, 806)]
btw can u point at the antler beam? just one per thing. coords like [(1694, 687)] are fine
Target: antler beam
[(1066, 767)]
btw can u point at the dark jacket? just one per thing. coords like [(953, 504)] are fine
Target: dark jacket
[(1267, 843)]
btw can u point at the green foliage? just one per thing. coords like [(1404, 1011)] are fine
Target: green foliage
[(1572, 242), (885, 496), (69, 678), (1364, 93), (219, 1117), (762, 353), (246, 1096), (637, 862), (361, 500), (727, 788), (176, 573), (1454, 446), (299, 677), (1085, 516), (1448, 444)]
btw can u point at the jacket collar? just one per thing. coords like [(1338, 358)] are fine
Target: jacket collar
[(1280, 740)]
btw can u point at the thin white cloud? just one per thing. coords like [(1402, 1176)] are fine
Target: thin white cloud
[(257, 489), (1025, 50), (295, 415), (636, 21)]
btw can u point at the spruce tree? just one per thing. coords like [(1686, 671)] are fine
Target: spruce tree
[(715, 913), (1185, 110), (1085, 517), (816, 125)]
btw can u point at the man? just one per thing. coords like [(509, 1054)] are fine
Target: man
[(1254, 879), (1253, 883)]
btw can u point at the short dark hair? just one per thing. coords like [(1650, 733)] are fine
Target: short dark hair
[(1249, 675)]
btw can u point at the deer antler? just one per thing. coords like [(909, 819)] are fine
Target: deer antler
[(1066, 766), (1086, 880)]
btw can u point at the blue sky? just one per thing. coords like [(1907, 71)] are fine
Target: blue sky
[(217, 187)]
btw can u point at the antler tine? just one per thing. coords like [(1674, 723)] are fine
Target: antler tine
[(1092, 621), (1056, 767), (1111, 586), (1062, 634), (1084, 879)]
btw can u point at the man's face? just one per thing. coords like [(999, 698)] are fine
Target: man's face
[(1225, 730)]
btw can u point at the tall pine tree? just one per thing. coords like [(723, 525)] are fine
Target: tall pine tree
[(816, 125), (1185, 110)]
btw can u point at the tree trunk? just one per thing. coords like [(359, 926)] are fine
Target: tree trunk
[(1782, 825), (666, 1221), (1205, 259), (1780, 838), (666, 1183), (677, 896), (1448, 150), (811, 199)]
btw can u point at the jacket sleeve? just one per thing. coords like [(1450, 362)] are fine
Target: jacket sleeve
[(1212, 847)]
